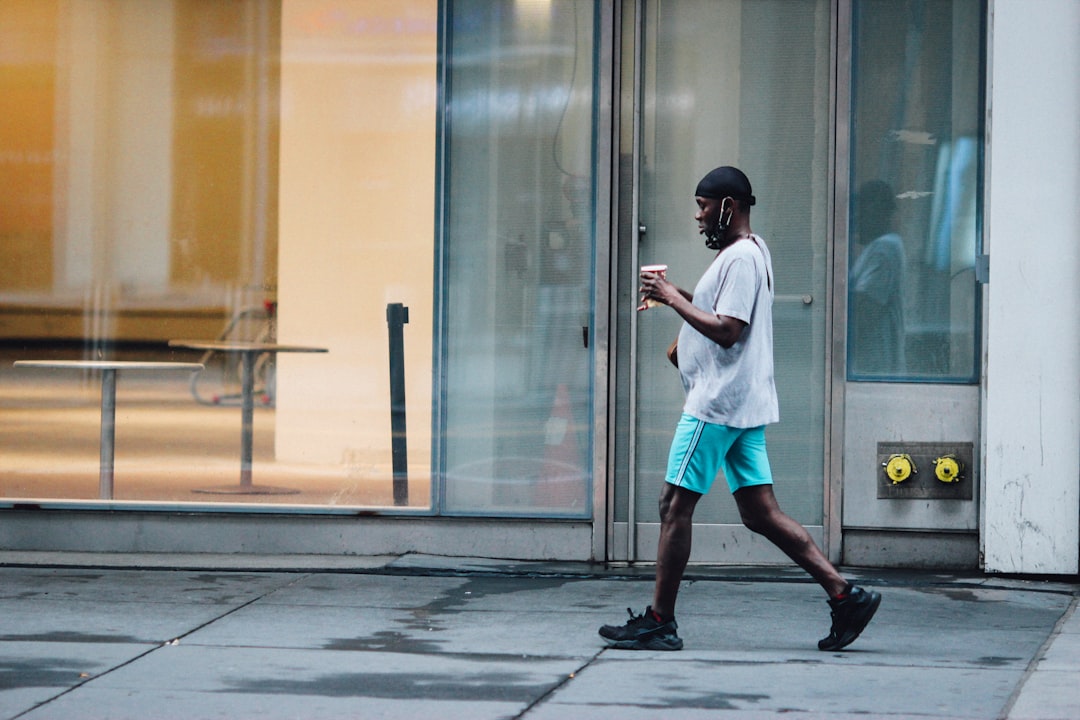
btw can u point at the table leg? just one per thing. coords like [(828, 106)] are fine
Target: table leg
[(108, 433), (247, 432), (247, 416)]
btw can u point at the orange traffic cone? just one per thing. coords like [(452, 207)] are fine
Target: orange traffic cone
[(562, 477)]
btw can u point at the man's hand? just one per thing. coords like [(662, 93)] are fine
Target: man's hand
[(655, 287)]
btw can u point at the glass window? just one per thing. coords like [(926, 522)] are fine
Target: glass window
[(194, 170), (517, 252), (915, 178)]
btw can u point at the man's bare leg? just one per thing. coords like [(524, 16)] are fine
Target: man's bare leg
[(673, 552), (761, 513)]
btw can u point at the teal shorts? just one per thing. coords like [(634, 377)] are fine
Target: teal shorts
[(700, 450)]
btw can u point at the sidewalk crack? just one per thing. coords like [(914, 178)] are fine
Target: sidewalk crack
[(559, 685), (1006, 710)]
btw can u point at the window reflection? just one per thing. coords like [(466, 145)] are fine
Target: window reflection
[(916, 119), (877, 281)]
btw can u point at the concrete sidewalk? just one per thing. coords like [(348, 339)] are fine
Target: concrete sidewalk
[(97, 636)]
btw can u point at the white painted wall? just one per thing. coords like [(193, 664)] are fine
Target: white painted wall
[(1032, 399)]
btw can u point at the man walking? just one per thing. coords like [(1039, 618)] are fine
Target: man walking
[(725, 358)]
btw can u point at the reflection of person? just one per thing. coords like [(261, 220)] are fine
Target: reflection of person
[(877, 284), (562, 247), (726, 363)]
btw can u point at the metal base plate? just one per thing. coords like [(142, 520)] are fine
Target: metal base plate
[(247, 490), (924, 484)]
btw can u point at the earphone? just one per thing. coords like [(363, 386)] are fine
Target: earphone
[(712, 240)]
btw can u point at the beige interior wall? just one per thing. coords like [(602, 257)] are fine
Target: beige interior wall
[(136, 159), (27, 91), (356, 229)]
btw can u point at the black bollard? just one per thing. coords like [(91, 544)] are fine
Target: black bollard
[(396, 317)]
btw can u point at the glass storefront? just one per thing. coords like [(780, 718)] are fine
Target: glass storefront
[(417, 190), (188, 171)]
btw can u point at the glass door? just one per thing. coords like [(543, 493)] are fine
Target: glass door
[(516, 277), (743, 83)]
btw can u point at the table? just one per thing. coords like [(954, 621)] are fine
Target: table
[(248, 352), (108, 369)]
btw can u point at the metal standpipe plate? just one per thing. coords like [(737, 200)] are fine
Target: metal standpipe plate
[(924, 484)]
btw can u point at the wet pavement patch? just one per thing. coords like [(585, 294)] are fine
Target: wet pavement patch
[(489, 687), (963, 595), (68, 636), (711, 701), (997, 661), (453, 601), (395, 642), (43, 672), (225, 578), (384, 641)]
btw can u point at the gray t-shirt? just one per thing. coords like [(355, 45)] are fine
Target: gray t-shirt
[(733, 386)]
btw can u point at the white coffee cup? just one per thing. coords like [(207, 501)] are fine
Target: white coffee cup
[(660, 270)]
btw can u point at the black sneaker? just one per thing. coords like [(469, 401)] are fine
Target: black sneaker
[(642, 632), (849, 616)]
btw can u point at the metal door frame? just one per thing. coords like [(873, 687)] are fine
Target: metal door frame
[(835, 280)]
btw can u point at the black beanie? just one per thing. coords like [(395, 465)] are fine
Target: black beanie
[(726, 182)]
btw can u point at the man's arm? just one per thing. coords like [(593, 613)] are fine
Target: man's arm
[(721, 329)]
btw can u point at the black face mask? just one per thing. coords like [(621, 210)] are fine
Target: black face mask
[(714, 237)]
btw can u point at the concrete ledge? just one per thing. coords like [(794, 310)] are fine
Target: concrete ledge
[(219, 562), (85, 531), (920, 550)]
